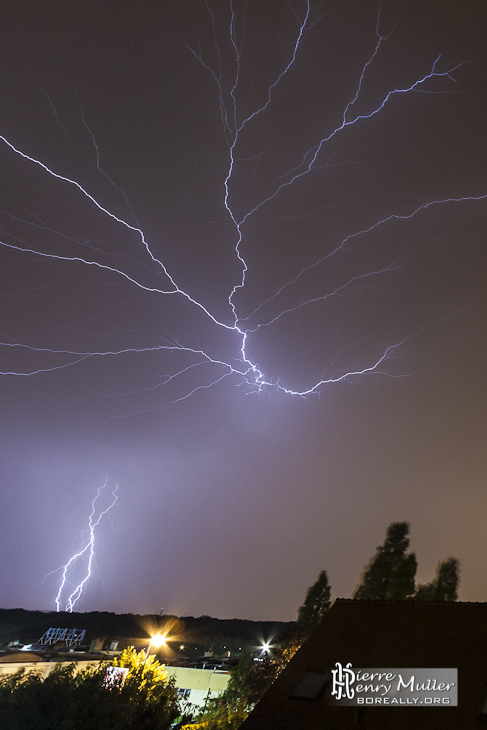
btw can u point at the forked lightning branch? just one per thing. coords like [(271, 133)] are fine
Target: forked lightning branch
[(246, 369)]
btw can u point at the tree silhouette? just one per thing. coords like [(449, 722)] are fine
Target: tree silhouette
[(444, 587), (390, 574), (316, 603)]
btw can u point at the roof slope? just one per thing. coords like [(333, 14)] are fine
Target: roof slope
[(388, 635)]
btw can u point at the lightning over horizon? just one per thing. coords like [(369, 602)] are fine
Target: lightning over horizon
[(78, 569)]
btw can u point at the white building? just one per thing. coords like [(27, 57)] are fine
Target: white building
[(199, 685)]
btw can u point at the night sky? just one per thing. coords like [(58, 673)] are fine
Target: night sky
[(122, 360)]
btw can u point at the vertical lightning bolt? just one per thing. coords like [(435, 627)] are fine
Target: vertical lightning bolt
[(82, 561)]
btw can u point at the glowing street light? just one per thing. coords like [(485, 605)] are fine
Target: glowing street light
[(156, 641)]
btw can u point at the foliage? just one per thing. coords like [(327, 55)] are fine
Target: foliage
[(248, 683), (266, 672), (390, 574), (316, 603), (444, 586), (69, 699), (145, 674), (229, 710), (225, 715)]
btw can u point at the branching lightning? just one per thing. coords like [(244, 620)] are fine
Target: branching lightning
[(243, 368), (248, 325), (81, 563)]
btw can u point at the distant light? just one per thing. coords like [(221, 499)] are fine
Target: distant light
[(265, 647), (181, 648)]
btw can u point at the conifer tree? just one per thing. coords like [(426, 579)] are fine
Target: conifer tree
[(390, 574), (444, 587), (316, 603)]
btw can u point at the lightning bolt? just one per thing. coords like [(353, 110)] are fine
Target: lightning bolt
[(150, 275), (82, 561)]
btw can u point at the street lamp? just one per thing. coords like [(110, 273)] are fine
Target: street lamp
[(156, 641)]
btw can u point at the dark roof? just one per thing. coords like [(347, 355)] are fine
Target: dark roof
[(384, 634)]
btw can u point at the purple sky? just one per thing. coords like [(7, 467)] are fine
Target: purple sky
[(233, 497)]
